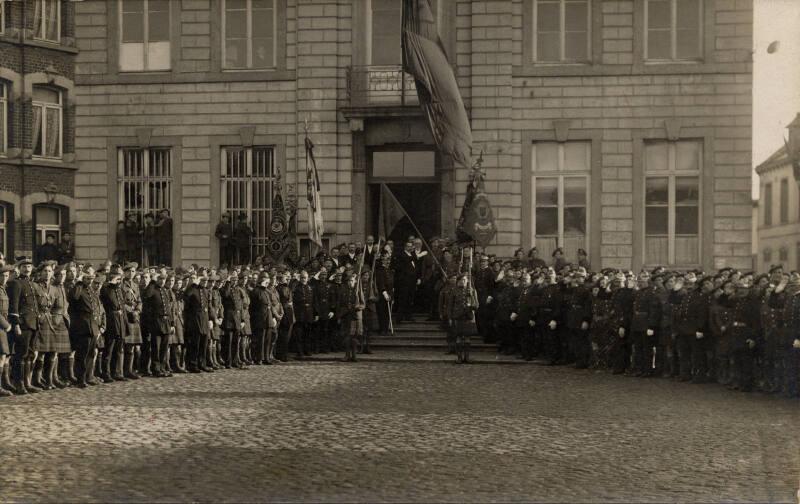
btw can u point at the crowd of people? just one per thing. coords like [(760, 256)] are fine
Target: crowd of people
[(73, 324)]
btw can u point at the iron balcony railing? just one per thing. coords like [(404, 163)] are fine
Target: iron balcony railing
[(380, 86)]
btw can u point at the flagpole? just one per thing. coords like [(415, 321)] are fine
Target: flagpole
[(417, 230)]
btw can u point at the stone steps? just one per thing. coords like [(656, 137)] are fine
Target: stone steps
[(422, 335)]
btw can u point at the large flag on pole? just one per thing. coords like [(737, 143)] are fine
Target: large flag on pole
[(390, 213), (476, 223), (424, 58), (315, 224)]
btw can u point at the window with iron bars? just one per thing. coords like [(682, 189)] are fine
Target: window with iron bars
[(145, 182), (248, 174)]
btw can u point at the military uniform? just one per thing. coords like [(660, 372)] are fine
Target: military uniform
[(578, 318), (260, 320), (196, 317), (689, 317), (529, 303), (745, 339), (620, 349), (790, 342), (157, 305), (23, 314), (286, 324), (133, 334), (485, 286), (113, 301), (646, 317), (601, 329), (324, 305), (277, 315), (720, 323), (507, 304), (350, 308), (461, 310), (550, 311), (304, 313), (232, 325), (384, 281)]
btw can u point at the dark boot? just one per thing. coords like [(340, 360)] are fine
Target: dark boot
[(6, 378)]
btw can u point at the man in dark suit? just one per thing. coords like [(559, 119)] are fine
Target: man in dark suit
[(407, 279), (158, 323), (260, 318), (197, 326), (305, 315), (113, 301), (384, 282)]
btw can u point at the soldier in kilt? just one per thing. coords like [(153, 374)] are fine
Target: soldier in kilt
[(5, 330), (49, 342), (59, 317)]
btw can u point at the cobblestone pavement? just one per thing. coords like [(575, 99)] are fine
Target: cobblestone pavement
[(384, 431)]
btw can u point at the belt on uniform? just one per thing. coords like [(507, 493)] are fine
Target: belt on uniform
[(739, 324), (307, 304)]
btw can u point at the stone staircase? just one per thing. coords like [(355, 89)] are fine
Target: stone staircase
[(423, 335)]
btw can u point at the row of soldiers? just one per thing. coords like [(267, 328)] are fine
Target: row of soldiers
[(732, 327), (73, 324)]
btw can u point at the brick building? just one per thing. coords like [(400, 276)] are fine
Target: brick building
[(778, 224), (618, 126), (37, 122)]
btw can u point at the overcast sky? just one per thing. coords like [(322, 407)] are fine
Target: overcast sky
[(776, 80)]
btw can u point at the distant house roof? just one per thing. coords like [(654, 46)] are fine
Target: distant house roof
[(778, 159)]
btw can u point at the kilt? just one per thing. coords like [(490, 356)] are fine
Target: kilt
[(133, 336), (101, 342), (4, 344), (176, 338), (53, 337)]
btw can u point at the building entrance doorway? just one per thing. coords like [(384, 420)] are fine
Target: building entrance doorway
[(422, 203)]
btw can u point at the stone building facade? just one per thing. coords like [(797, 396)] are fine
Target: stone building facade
[(37, 123), (622, 127), (778, 221)]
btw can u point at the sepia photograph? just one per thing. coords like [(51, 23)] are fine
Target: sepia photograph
[(400, 251)]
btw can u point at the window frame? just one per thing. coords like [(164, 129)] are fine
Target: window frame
[(783, 204), (145, 37), (533, 27), (673, 28), (2, 17), (259, 242), (766, 254), (42, 230), (4, 228), (146, 178), (249, 38), (561, 174), (43, 5), (45, 106), (672, 174), (767, 206)]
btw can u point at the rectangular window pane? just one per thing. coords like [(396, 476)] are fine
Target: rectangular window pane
[(53, 133), (37, 130), (656, 157), (784, 201), (687, 220), (687, 190), (659, 44), (576, 156), (688, 156), (52, 19), (158, 20), (659, 14), (546, 221), (548, 17), (263, 23), (132, 25), (768, 205), (575, 191), (548, 46), (688, 15), (236, 53), (656, 221), (131, 57), (546, 156), (47, 216), (386, 28), (419, 164), (575, 46), (576, 16), (546, 191), (235, 24), (262, 52), (158, 56), (574, 221), (2, 125), (688, 44), (687, 250), (387, 164), (656, 191)]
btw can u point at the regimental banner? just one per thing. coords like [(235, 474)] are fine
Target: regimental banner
[(476, 223)]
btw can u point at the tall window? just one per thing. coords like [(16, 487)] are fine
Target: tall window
[(784, 202), (767, 255), (144, 35), (385, 29), (47, 20), (768, 204), (247, 184), (2, 16), (672, 203), (145, 181), (783, 254), (48, 223), (248, 33), (673, 29), (560, 193), (561, 30), (3, 114), (47, 122)]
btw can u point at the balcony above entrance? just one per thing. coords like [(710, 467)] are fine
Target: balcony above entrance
[(380, 90)]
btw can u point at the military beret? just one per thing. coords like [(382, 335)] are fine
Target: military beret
[(775, 267), (20, 260), (129, 266), (7, 268)]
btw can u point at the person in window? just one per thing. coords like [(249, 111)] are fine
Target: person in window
[(164, 238), (48, 251), (66, 248), (121, 247), (224, 233), (241, 237), (534, 262), (133, 238), (558, 259), (150, 239), (583, 260)]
